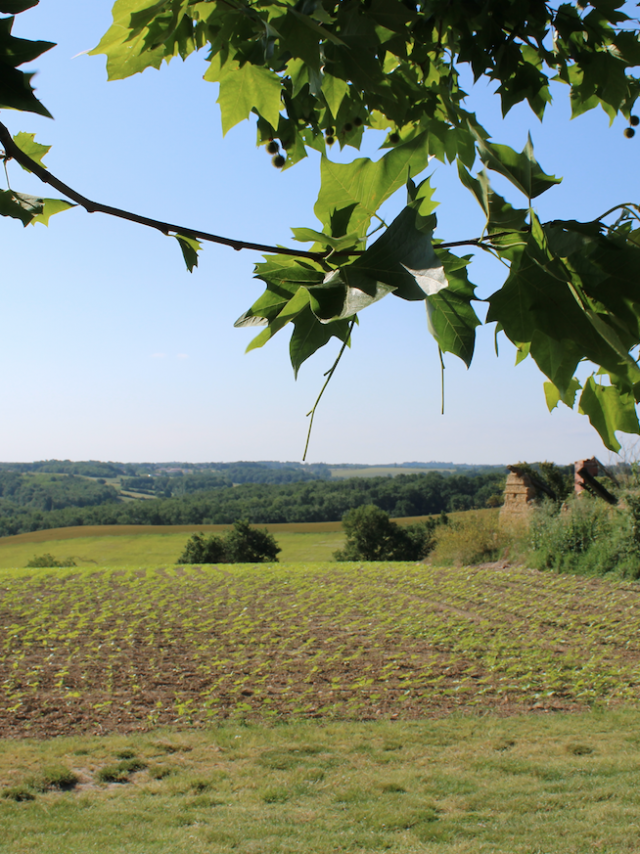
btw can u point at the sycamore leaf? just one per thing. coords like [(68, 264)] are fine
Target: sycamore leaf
[(359, 188), (243, 88), (451, 318), (523, 170), (309, 335), (13, 7), (49, 208), (292, 309), (336, 299), (26, 143), (553, 395), (334, 90), (126, 50), (20, 206), (609, 410), (190, 248)]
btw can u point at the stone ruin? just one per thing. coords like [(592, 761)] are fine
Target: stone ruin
[(520, 496), (523, 489)]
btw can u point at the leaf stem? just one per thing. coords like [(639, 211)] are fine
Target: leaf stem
[(441, 379), (328, 375)]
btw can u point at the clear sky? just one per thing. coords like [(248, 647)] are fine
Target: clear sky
[(112, 350)]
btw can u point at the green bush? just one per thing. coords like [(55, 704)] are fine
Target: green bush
[(47, 559), (371, 535), (588, 537), (242, 544), (470, 539)]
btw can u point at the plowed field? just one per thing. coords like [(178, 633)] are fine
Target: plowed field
[(118, 650)]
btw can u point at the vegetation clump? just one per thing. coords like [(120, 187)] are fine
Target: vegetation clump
[(371, 535), (47, 560), (242, 544)]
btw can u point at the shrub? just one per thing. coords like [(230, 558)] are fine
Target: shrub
[(371, 535), (47, 559), (588, 537), (470, 539), (242, 544)]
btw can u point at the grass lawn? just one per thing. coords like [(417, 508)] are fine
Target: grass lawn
[(536, 784), (149, 549)]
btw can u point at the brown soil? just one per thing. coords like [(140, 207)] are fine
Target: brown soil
[(102, 651)]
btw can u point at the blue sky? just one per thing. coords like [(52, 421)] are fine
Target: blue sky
[(111, 350)]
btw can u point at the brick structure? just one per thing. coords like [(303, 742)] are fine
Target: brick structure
[(519, 498)]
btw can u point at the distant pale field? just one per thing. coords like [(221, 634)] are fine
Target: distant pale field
[(143, 549), (381, 471)]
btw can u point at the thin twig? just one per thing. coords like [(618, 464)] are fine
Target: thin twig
[(167, 228), (441, 379), (328, 375)]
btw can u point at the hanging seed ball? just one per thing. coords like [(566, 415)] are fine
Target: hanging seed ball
[(634, 120), (273, 147), (394, 138), (329, 132), (330, 140), (629, 133), (348, 127), (278, 161), (357, 121)]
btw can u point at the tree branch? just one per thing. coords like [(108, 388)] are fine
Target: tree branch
[(12, 151)]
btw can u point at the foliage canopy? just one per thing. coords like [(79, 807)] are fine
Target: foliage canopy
[(316, 73)]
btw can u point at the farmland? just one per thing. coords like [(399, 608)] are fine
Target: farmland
[(99, 650)]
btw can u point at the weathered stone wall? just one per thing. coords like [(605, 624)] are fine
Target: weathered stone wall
[(519, 499)]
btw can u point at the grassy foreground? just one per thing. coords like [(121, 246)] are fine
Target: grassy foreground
[(554, 784)]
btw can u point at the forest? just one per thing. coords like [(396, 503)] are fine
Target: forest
[(26, 507)]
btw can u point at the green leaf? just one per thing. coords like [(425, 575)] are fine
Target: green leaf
[(26, 143), (553, 395), (523, 170), (451, 318), (20, 206), (291, 310), (356, 190), (190, 248), (49, 208), (13, 7), (339, 244), (609, 410), (244, 88), (334, 90), (336, 299), (126, 50), (309, 335)]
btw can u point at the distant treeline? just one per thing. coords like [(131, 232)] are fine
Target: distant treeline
[(311, 501)]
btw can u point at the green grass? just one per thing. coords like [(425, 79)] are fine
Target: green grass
[(555, 784), (125, 549)]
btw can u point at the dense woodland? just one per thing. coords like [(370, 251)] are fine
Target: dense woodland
[(32, 502)]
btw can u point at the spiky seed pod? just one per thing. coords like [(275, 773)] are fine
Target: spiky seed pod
[(394, 138), (629, 133), (357, 121), (278, 161), (329, 132), (634, 120), (330, 140), (348, 127), (273, 147)]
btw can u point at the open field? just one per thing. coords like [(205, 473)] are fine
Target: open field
[(384, 471), (109, 546), (100, 650), (534, 784), (150, 545)]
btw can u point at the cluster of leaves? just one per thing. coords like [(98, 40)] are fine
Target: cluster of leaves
[(371, 535), (242, 544), (316, 72)]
